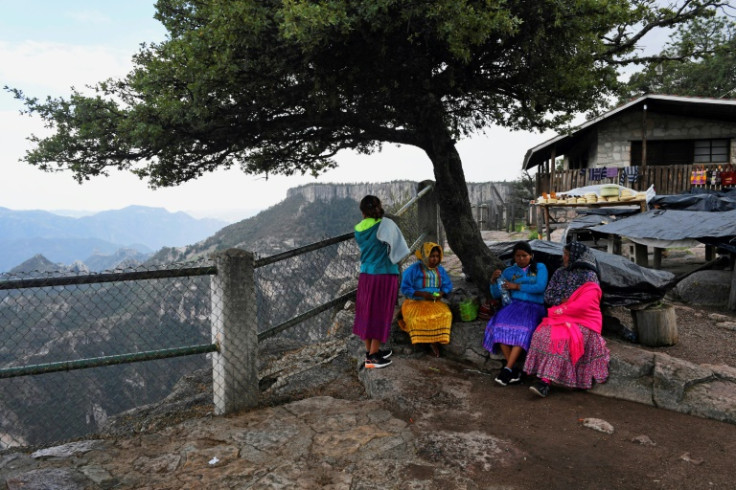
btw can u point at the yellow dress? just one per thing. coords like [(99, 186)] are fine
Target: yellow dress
[(426, 321)]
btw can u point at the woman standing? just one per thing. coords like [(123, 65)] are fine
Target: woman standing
[(510, 330), (382, 246), (567, 348), (426, 319)]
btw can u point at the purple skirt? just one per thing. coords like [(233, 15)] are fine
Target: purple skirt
[(374, 306), (558, 367), (513, 324)]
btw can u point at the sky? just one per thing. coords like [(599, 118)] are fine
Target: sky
[(48, 46)]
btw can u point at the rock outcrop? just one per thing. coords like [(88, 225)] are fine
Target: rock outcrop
[(396, 192)]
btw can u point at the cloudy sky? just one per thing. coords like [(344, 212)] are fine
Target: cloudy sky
[(47, 46)]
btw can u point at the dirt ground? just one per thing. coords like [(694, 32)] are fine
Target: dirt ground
[(548, 445), (649, 448)]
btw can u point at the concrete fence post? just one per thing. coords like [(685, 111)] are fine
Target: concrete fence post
[(235, 331), (427, 213)]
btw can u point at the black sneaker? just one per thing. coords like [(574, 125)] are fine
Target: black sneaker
[(383, 354), (539, 388), (504, 377), (515, 376), (376, 362)]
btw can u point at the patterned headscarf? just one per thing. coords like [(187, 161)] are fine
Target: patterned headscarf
[(577, 250), (425, 251), (582, 268), (581, 257)]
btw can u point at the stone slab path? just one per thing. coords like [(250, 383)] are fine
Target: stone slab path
[(429, 424)]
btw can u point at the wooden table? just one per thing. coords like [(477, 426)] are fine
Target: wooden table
[(545, 207)]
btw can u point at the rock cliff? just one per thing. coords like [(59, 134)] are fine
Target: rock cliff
[(395, 192)]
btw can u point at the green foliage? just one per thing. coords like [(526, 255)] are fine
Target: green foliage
[(699, 61), (523, 188), (281, 86)]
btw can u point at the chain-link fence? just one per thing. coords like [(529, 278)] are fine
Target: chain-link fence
[(79, 349), (51, 325)]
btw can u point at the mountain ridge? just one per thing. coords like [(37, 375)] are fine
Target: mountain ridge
[(63, 239)]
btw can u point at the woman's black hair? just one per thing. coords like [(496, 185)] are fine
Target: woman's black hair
[(371, 207), (522, 245)]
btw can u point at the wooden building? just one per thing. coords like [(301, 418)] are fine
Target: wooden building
[(655, 140)]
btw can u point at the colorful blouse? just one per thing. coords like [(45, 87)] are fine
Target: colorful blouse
[(417, 277)]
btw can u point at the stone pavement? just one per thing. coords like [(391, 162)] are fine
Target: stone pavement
[(428, 424)]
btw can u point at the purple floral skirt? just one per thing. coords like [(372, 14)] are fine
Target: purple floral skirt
[(513, 324), (558, 367), (374, 305)]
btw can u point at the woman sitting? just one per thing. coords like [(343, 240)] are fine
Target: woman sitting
[(510, 329), (567, 348), (426, 319)]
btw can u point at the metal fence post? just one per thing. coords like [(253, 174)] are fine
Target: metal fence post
[(427, 213), (235, 331)]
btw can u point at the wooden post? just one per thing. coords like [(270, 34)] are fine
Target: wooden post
[(642, 255), (656, 327), (427, 213), (642, 174), (235, 331), (540, 222), (552, 186), (614, 244), (732, 294), (710, 253), (657, 258)]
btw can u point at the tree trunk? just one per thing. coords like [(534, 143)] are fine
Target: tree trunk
[(656, 327), (462, 231)]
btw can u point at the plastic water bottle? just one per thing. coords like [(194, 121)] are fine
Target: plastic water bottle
[(505, 295)]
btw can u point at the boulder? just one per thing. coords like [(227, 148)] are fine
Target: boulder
[(710, 287)]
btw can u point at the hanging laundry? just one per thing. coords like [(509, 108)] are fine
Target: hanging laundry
[(611, 172), (596, 174), (630, 174)]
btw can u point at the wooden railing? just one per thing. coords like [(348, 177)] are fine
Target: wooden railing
[(667, 179)]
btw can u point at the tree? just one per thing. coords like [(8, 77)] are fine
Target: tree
[(700, 61), (281, 86)]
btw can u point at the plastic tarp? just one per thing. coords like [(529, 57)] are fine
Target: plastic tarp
[(596, 189), (703, 215), (623, 282), (590, 218), (697, 200), (673, 224)]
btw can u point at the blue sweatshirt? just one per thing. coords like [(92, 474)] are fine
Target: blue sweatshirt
[(532, 285)]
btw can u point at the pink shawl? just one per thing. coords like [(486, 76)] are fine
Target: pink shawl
[(581, 308)]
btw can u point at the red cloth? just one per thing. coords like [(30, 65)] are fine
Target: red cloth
[(581, 308)]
